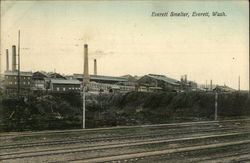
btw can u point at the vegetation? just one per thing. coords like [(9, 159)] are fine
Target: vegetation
[(63, 111)]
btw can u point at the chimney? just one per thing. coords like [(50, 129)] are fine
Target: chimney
[(185, 78), (95, 67), (86, 65), (14, 58), (7, 60)]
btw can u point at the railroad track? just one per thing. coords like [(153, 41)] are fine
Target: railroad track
[(120, 127), (144, 155), (144, 145), (115, 138), (149, 127), (21, 155)]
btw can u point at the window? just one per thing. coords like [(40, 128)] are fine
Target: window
[(16, 83), (64, 89), (57, 89)]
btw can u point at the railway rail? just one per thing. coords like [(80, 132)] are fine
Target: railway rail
[(143, 155), (30, 133), (108, 147), (151, 142), (116, 138)]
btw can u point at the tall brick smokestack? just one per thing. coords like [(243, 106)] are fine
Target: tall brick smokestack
[(14, 58), (7, 60), (185, 76), (86, 65), (95, 67)]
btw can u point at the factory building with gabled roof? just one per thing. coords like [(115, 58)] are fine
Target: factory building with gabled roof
[(101, 79), (157, 83), (63, 85)]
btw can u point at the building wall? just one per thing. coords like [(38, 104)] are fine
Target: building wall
[(148, 82), (38, 84), (106, 87), (11, 83), (65, 87)]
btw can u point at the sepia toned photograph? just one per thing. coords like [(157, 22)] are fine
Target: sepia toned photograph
[(108, 81)]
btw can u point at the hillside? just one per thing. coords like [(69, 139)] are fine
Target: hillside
[(54, 111)]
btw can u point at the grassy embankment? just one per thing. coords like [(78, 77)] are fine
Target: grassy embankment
[(54, 111)]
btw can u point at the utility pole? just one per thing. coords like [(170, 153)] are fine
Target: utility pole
[(206, 86), (83, 106), (7, 60), (18, 79), (85, 82), (216, 106), (211, 85)]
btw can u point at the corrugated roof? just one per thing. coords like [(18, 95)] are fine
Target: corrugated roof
[(99, 77), (40, 73), (224, 88), (62, 81), (15, 73), (164, 78)]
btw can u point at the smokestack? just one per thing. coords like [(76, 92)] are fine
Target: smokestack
[(185, 78), (7, 60), (86, 65), (14, 58), (95, 67)]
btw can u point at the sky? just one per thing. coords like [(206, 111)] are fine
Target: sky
[(126, 39)]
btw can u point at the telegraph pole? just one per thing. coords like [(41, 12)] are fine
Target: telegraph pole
[(85, 82), (18, 79), (83, 106), (216, 106)]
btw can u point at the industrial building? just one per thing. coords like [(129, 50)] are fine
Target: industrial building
[(223, 89), (39, 81), (107, 83), (55, 82), (187, 85), (157, 83), (55, 75), (11, 81), (101, 79), (61, 85)]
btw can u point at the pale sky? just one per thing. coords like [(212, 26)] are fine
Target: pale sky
[(126, 39)]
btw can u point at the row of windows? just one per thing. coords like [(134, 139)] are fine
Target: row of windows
[(22, 77), (127, 88), (15, 83), (106, 86), (64, 89)]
